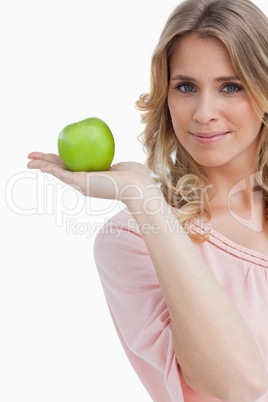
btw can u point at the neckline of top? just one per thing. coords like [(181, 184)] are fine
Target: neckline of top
[(229, 245)]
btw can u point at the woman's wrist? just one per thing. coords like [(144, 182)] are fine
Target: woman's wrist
[(144, 199)]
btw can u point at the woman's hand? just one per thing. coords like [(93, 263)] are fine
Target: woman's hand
[(122, 181)]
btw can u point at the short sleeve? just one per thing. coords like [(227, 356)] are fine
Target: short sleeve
[(137, 306)]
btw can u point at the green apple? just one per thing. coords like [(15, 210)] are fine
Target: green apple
[(87, 145)]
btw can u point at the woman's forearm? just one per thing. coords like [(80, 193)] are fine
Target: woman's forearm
[(215, 349)]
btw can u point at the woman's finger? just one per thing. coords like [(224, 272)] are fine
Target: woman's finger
[(94, 184), (50, 157), (73, 179)]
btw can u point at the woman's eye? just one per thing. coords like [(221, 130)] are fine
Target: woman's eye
[(231, 88), (186, 88)]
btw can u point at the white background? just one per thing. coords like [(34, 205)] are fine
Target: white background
[(63, 61)]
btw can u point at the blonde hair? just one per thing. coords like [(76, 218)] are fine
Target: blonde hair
[(243, 28)]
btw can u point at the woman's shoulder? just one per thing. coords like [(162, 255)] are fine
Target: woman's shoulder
[(121, 255), (119, 224), (119, 236)]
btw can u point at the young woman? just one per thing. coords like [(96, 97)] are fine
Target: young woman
[(184, 267)]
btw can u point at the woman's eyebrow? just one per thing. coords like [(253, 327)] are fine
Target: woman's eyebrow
[(219, 79), (230, 78)]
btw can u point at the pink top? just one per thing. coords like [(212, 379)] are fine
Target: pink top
[(139, 310)]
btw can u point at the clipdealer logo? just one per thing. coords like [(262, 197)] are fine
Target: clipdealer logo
[(49, 196)]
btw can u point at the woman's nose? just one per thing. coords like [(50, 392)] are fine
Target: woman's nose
[(206, 108)]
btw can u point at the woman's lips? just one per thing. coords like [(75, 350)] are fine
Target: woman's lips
[(209, 138)]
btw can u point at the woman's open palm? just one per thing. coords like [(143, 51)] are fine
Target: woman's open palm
[(111, 184)]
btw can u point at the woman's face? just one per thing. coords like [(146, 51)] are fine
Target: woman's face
[(212, 115)]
